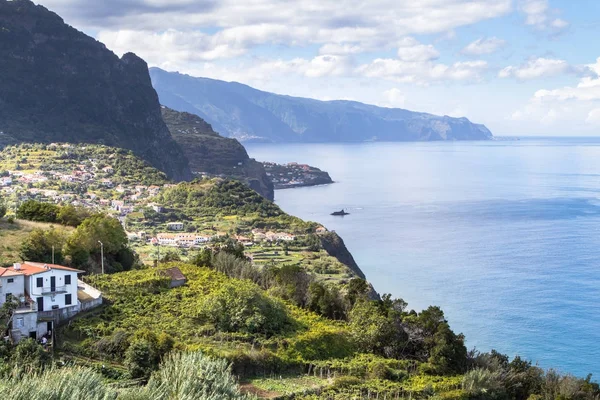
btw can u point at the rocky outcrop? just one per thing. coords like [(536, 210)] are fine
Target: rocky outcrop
[(59, 85), (210, 153), (239, 111), (333, 244)]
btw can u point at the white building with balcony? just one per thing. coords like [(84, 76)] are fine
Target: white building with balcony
[(46, 295)]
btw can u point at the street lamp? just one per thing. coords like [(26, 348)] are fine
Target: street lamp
[(102, 255)]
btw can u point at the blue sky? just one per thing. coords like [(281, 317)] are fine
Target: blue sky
[(522, 67)]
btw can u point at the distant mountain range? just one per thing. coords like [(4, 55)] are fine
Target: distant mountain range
[(239, 111)]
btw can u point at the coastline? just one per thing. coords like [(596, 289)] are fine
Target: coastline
[(302, 185)]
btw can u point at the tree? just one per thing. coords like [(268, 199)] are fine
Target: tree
[(38, 246), (72, 216), (325, 300), (377, 330), (356, 289), (448, 354), (234, 248), (291, 282), (240, 306), (29, 357), (84, 241), (203, 258), (36, 211), (140, 359)]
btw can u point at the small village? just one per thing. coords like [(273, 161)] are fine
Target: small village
[(285, 176), (96, 184)]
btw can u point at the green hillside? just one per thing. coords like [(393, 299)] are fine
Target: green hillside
[(281, 300)]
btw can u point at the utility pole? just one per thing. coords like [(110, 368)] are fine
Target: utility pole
[(52, 254), (102, 255)]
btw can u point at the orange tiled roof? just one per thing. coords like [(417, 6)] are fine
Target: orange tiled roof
[(33, 268), (8, 272)]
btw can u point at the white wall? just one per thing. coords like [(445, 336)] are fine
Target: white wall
[(25, 323), (16, 288), (57, 299)]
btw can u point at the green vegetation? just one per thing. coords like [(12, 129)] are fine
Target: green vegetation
[(16, 234), (181, 376), (125, 167), (289, 315)]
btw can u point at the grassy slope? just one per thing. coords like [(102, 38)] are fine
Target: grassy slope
[(142, 300), (12, 235)]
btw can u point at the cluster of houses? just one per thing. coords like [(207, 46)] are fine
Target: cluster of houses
[(261, 236), (37, 185), (189, 240), (44, 295), (291, 175), (180, 239)]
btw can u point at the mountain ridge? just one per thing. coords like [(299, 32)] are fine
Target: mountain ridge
[(60, 85), (240, 111), (210, 153)]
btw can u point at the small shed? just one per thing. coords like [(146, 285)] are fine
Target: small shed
[(177, 277)]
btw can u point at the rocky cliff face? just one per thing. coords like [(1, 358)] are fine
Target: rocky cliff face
[(334, 246), (239, 111), (213, 154), (59, 85)]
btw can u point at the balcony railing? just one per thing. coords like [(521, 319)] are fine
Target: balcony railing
[(51, 290)]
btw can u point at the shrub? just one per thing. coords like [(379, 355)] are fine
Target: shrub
[(36, 211), (60, 384), (345, 382), (140, 359), (29, 357), (193, 376), (240, 306)]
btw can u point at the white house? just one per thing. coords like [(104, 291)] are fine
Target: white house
[(167, 239), (46, 294), (175, 226), (201, 239)]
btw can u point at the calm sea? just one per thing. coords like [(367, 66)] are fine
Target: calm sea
[(504, 235)]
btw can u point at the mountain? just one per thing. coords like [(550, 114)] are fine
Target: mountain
[(59, 85), (239, 111), (208, 152)]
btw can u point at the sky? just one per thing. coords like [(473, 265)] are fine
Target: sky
[(521, 67)]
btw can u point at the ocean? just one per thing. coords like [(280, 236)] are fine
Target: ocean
[(503, 235)]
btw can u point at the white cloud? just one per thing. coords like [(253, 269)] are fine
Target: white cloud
[(536, 68), (539, 16), (411, 50), (483, 46), (340, 49), (423, 72), (232, 26), (576, 107), (593, 117)]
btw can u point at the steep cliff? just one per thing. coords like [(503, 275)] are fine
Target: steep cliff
[(59, 85), (335, 247), (213, 154), (239, 111)]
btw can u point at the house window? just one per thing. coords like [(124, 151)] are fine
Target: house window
[(11, 280), (39, 282), (9, 297), (19, 323), (67, 299), (67, 279)]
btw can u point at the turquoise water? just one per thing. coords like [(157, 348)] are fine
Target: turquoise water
[(504, 236)]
